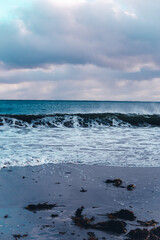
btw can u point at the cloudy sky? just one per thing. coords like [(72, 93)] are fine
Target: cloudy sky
[(80, 49)]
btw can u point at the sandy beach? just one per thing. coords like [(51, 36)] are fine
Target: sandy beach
[(70, 187)]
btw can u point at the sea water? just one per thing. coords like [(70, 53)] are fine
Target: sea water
[(83, 132)]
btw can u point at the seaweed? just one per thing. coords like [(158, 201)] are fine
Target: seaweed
[(123, 214), (40, 207)]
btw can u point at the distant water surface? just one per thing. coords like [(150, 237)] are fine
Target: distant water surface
[(85, 132)]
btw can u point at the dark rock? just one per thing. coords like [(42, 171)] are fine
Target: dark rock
[(39, 207), (123, 214), (138, 234)]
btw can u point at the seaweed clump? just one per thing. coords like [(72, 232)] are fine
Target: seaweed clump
[(123, 214), (40, 207), (144, 234), (117, 182), (112, 226)]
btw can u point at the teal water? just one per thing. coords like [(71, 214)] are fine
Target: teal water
[(50, 107)]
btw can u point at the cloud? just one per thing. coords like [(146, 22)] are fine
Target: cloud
[(81, 49), (76, 82), (90, 89), (88, 32)]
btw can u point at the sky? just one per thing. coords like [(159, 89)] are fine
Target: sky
[(80, 50)]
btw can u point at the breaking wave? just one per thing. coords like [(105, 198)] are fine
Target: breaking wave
[(80, 120)]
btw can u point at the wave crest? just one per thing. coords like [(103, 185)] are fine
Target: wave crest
[(80, 120)]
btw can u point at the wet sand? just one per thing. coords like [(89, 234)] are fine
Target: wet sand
[(70, 187)]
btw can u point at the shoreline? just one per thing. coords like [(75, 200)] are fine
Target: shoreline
[(71, 186)]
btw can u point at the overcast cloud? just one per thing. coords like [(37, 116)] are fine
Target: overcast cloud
[(80, 49)]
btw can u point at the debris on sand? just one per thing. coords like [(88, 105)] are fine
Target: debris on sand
[(79, 211), (139, 234), (83, 221), (156, 232), (39, 207), (54, 215), (113, 226), (46, 226), (83, 190), (153, 237), (18, 236), (144, 234), (123, 214), (92, 236), (117, 182), (130, 187), (62, 233), (147, 223)]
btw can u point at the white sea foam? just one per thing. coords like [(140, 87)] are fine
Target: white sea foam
[(122, 146), (119, 139)]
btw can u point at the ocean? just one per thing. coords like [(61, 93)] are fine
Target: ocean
[(83, 132)]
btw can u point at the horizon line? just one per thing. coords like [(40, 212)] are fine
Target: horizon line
[(61, 100)]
